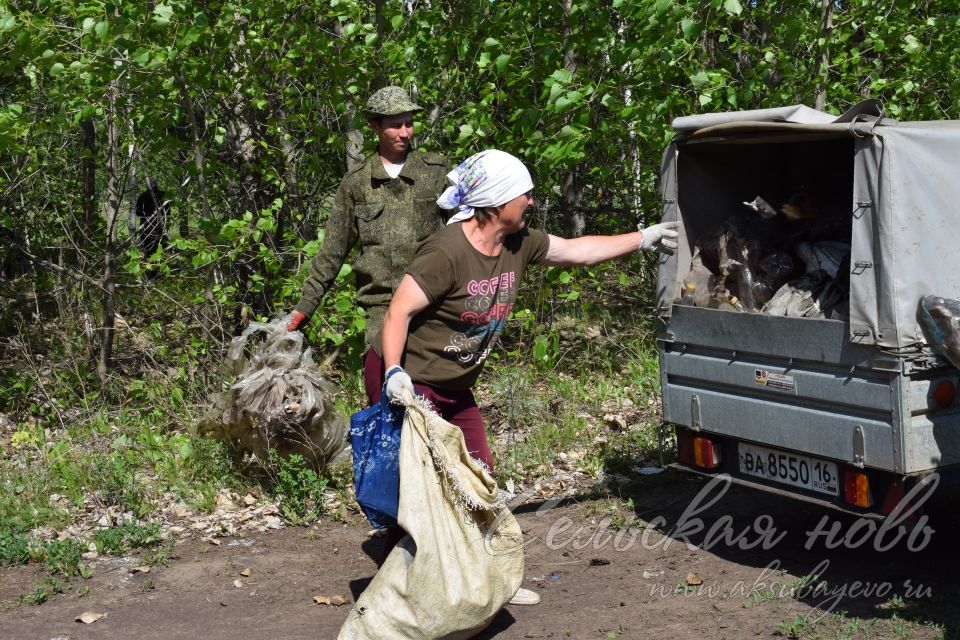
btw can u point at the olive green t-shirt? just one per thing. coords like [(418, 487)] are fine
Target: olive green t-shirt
[(471, 296)]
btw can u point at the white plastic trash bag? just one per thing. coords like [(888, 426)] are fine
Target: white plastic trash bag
[(279, 400), (463, 559)]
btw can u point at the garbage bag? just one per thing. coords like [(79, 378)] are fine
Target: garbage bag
[(463, 559), (823, 256), (813, 295), (939, 319), (279, 400)]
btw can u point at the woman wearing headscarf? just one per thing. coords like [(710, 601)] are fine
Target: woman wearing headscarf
[(454, 299)]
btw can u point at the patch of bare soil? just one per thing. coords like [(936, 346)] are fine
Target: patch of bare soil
[(685, 568)]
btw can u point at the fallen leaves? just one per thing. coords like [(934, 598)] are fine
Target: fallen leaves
[(336, 601), (89, 617), (232, 515)]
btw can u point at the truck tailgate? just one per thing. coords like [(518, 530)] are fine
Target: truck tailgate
[(790, 383)]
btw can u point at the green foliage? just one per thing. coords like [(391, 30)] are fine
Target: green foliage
[(241, 111), (126, 536), (63, 557), (46, 588), (24, 498), (14, 548), (299, 487), (117, 481)]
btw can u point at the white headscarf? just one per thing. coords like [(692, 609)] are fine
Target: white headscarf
[(486, 179)]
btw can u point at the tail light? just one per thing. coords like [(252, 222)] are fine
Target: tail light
[(697, 451), (856, 489)]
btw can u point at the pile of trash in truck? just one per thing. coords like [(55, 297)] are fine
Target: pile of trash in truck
[(792, 261)]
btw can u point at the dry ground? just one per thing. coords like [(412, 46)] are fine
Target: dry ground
[(594, 585)]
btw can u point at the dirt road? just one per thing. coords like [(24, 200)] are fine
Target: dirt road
[(741, 576)]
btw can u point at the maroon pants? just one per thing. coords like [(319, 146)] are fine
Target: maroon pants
[(456, 407)]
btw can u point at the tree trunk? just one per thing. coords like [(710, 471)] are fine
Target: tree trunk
[(826, 29), (132, 222), (631, 155), (109, 257), (210, 314), (571, 194), (292, 202), (88, 172), (354, 145), (195, 143), (571, 198)]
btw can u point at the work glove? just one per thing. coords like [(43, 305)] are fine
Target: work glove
[(397, 382), (298, 319), (661, 237)]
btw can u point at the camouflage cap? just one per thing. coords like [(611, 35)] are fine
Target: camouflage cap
[(390, 101)]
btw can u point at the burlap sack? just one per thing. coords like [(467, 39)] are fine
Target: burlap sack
[(463, 559)]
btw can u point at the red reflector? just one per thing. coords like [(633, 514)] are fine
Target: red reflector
[(944, 393), (894, 496), (684, 446), (856, 489)]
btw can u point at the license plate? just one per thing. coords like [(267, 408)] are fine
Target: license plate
[(787, 468)]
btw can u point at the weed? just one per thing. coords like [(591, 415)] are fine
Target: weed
[(794, 628), (14, 548), (126, 536), (25, 488), (300, 488), (115, 475), (204, 498), (339, 474), (45, 589), (616, 633), (618, 512), (63, 557), (160, 556), (683, 588)]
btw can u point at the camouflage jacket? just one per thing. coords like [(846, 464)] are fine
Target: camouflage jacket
[(386, 218)]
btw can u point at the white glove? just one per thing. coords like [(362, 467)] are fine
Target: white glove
[(397, 382), (662, 237)]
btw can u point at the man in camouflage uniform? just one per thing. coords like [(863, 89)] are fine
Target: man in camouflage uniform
[(385, 207)]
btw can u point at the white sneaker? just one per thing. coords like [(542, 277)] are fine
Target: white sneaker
[(525, 596)]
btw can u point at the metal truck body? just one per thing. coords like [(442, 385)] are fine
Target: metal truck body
[(849, 412)]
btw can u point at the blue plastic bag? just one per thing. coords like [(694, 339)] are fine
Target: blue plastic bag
[(375, 439)]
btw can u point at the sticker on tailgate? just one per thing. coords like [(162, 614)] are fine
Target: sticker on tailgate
[(774, 380)]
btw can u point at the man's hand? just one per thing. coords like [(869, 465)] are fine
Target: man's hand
[(661, 236), (298, 320), (397, 382)]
